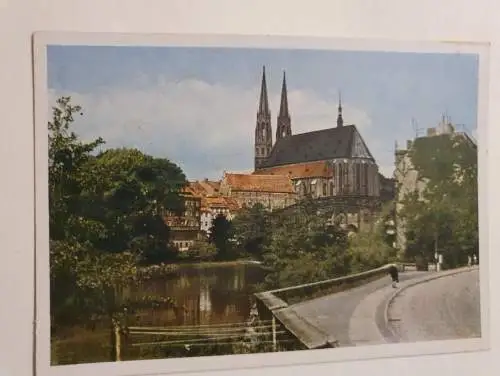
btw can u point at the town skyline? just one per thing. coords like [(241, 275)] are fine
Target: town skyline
[(197, 106)]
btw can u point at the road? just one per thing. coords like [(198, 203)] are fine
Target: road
[(342, 315), (444, 308)]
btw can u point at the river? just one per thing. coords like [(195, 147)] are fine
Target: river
[(209, 296)]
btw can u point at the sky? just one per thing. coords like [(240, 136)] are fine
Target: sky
[(197, 105)]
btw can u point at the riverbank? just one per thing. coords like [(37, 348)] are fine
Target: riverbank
[(166, 269), (214, 264)]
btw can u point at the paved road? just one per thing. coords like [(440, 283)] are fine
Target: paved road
[(444, 308), (342, 315)]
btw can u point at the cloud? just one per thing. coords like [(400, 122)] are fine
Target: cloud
[(205, 128)]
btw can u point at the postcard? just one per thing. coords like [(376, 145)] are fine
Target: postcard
[(206, 201)]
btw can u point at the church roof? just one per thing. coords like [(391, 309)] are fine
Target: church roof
[(331, 143), (317, 169), (259, 183)]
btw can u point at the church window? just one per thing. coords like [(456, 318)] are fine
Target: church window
[(324, 188), (358, 178), (341, 178)]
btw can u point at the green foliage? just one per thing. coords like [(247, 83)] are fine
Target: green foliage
[(252, 230), (303, 249), (106, 216), (444, 217), (369, 250), (67, 160), (202, 251), (129, 193), (220, 236)]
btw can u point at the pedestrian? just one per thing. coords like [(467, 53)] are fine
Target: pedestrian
[(469, 261), (393, 271)]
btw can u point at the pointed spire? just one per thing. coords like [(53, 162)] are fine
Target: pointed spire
[(284, 128), (264, 102), (340, 120), (284, 98)]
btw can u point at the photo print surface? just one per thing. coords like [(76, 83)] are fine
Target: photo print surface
[(208, 200)]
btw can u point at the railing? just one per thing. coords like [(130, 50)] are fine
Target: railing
[(273, 304), (295, 294)]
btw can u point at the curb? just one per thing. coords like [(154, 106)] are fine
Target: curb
[(425, 279)]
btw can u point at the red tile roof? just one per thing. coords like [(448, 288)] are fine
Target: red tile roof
[(259, 183), (219, 202), (300, 170), (204, 188)]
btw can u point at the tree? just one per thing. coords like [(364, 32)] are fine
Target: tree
[(129, 193), (220, 234), (304, 249), (93, 200), (374, 248), (67, 160), (252, 230), (443, 217)]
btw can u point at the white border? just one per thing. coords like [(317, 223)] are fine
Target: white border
[(214, 363)]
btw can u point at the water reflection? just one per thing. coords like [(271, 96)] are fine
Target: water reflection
[(205, 295)]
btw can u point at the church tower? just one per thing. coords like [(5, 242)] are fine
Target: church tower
[(263, 130), (340, 119), (284, 127)]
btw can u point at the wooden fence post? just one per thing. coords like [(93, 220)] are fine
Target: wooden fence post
[(116, 355), (273, 325)]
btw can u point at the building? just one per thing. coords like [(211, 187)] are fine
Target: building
[(212, 206), (185, 228), (407, 179), (333, 164), (271, 191), (387, 188), (205, 188)]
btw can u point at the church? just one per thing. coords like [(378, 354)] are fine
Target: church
[(333, 165)]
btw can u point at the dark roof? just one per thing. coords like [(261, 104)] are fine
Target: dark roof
[(313, 146)]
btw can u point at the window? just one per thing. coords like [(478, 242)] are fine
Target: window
[(341, 178), (358, 178), (324, 188)]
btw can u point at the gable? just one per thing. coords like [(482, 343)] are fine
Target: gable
[(359, 148)]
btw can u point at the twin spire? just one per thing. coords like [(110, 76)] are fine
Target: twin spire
[(264, 100), (284, 114), (284, 127)]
